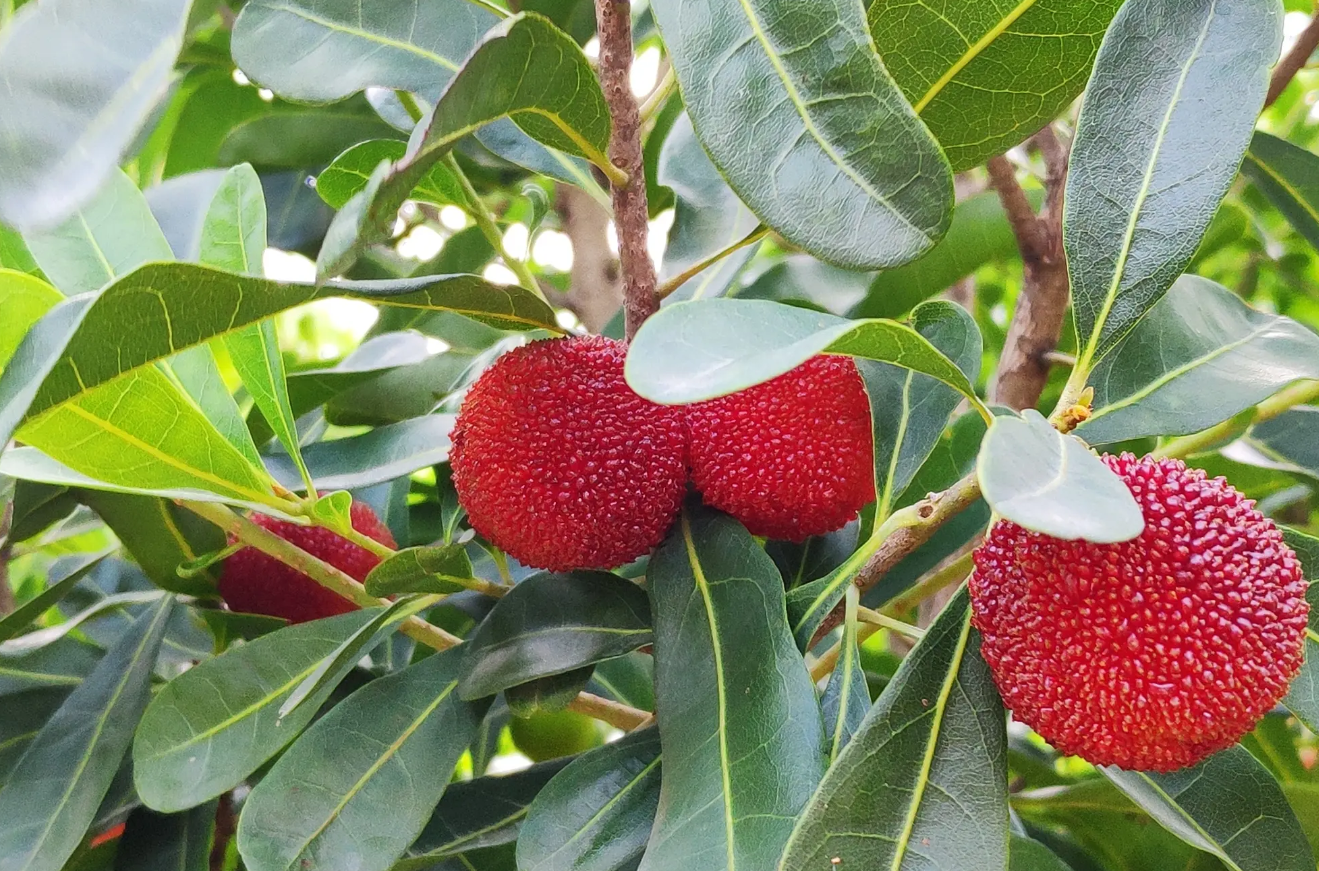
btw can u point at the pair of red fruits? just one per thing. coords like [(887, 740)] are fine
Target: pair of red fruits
[(1150, 654)]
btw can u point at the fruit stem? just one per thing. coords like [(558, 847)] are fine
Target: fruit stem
[(655, 101), (1285, 400), (883, 621), (485, 219), (934, 582), (687, 275)]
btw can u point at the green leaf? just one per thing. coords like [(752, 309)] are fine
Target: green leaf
[(24, 715), (846, 697), (740, 728), (792, 103), (1303, 699), (526, 69), (198, 374), (15, 255), (596, 814), (1053, 484), (698, 350), (359, 786), (438, 569), (168, 842), (1198, 357), (1167, 117), (300, 138), (66, 126), (479, 814), (22, 617), (1029, 855), (172, 306), (1228, 806), (51, 797), (26, 299), (549, 694), (1286, 174), (108, 237), (381, 455), (1289, 440), (984, 76), (555, 623), (347, 175), (921, 783), (161, 536), (212, 726), (64, 664)]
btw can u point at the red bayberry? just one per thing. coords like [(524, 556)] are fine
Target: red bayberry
[(255, 583), (1154, 653), (792, 457), (560, 464)]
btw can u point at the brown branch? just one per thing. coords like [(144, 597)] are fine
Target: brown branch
[(7, 602), (226, 826), (631, 213), (1037, 324), (1294, 61)]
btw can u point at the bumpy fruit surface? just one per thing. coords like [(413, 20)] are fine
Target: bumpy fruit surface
[(1153, 653), (792, 457), (560, 464), (255, 583)]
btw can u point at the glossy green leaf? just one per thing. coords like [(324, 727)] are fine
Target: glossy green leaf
[(1228, 806), (174, 306), (62, 665), (1289, 439), (212, 726), (24, 715), (109, 236), (1303, 698), (348, 174), (358, 787), (479, 814), (549, 694), (526, 69), (21, 618), (554, 623), (846, 697), (161, 536), (81, 82), (1197, 358), (1286, 173), (381, 455), (168, 842), (706, 348), (1168, 115), (921, 783), (26, 299), (405, 391), (435, 569), (803, 82), (1053, 484), (739, 725), (51, 798), (198, 374), (597, 813), (984, 76), (300, 138)]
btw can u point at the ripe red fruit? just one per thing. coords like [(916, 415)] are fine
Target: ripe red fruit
[(1154, 653), (560, 464), (792, 457), (255, 583)]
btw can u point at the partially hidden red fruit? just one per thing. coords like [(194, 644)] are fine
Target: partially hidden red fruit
[(792, 457), (1154, 653), (560, 464), (255, 583)]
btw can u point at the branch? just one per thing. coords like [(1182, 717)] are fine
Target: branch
[(1294, 62), (631, 212), (7, 603)]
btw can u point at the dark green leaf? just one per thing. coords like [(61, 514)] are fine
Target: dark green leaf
[(554, 623), (64, 125), (173, 842), (549, 694), (383, 454), (23, 716), (1290, 439), (357, 788), (526, 69), (984, 76), (437, 569), (596, 814), (301, 138), (1229, 806), (63, 664), (14, 623), (1168, 115), (212, 726), (740, 728), (1197, 358), (161, 536), (1052, 483), (405, 391), (347, 175), (1286, 174), (702, 349), (846, 697), (1029, 855), (479, 814), (51, 798), (1303, 699), (921, 784), (792, 103)]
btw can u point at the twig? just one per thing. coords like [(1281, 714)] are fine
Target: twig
[(935, 582), (1294, 61), (884, 621), (7, 602), (1037, 323), (655, 101), (226, 826), (631, 213), (687, 275)]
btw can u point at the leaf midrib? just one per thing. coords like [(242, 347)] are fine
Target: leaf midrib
[(357, 32), (972, 53)]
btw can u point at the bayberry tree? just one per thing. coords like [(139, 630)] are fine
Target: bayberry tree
[(759, 434)]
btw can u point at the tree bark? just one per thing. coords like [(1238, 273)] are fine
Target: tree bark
[(596, 290)]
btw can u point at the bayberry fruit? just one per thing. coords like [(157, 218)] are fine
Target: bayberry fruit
[(254, 583), (560, 464), (1153, 653), (792, 457)]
